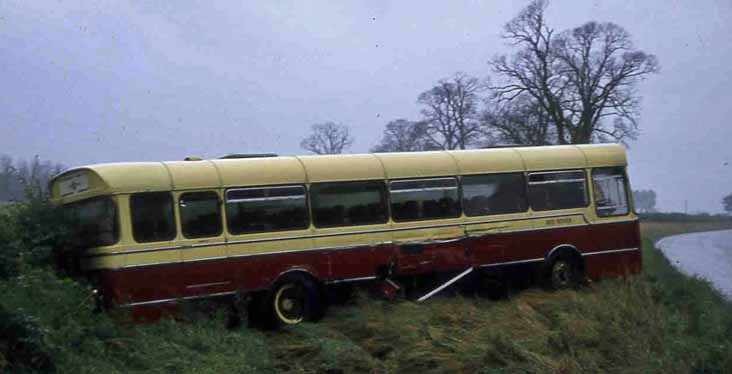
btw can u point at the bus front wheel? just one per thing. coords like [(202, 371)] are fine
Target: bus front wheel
[(563, 273), (295, 298)]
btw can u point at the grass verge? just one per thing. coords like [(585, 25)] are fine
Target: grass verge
[(658, 321)]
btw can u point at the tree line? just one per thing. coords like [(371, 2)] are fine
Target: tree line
[(20, 179), (645, 201), (727, 203), (570, 86)]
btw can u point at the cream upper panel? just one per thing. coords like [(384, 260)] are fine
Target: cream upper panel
[(134, 177), (552, 157), (188, 175), (418, 164), (479, 161), (334, 168), (604, 155), (260, 171)]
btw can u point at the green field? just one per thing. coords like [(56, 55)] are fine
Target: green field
[(660, 321)]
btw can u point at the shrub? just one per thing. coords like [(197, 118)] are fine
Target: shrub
[(9, 259), (21, 348), (31, 233)]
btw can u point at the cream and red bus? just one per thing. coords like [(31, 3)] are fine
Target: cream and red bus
[(151, 234)]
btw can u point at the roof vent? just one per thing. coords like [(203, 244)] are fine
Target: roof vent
[(249, 155), (192, 158), (508, 146)]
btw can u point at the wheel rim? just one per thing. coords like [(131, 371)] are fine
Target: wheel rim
[(289, 304), (562, 274)]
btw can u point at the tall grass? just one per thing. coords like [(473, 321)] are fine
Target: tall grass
[(657, 322), (634, 325), (64, 335)]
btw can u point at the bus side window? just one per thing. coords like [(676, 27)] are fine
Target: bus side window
[(200, 214), (611, 195), (266, 209), (494, 194), (557, 190), (348, 203), (424, 199), (153, 219)]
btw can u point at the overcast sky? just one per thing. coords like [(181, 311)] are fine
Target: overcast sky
[(86, 82)]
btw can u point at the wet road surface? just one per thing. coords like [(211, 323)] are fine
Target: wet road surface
[(707, 255)]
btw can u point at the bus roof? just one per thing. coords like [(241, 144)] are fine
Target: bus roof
[(129, 177)]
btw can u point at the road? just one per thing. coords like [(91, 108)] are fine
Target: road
[(707, 255)]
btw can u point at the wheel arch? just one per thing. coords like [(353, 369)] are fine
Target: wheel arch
[(565, 249), (297, 271)]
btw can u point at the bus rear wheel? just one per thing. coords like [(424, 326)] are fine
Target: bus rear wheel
[(295, 298), (563, 273)]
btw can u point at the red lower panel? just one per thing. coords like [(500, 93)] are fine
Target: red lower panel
[(613, 264), (451, 256), (247, 273), (146, 283), (609, 236), (353, 262)]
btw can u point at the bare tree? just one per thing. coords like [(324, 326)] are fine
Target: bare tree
[(519, 121), (451, 111), (402, 135), (22, 179), (584, 79), (34, 176), (327, 138)]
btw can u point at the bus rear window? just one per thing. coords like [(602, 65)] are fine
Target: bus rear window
[(93, 222), (611, 196)]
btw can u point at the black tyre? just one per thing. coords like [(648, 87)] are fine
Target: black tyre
[(259, 312), (563, 273), (295, 298)]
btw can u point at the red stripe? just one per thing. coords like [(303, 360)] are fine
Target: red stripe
[(169, 281)]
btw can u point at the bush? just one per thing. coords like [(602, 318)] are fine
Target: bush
[(9, 258), (48, 323), (31, 233), (21, 348)]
